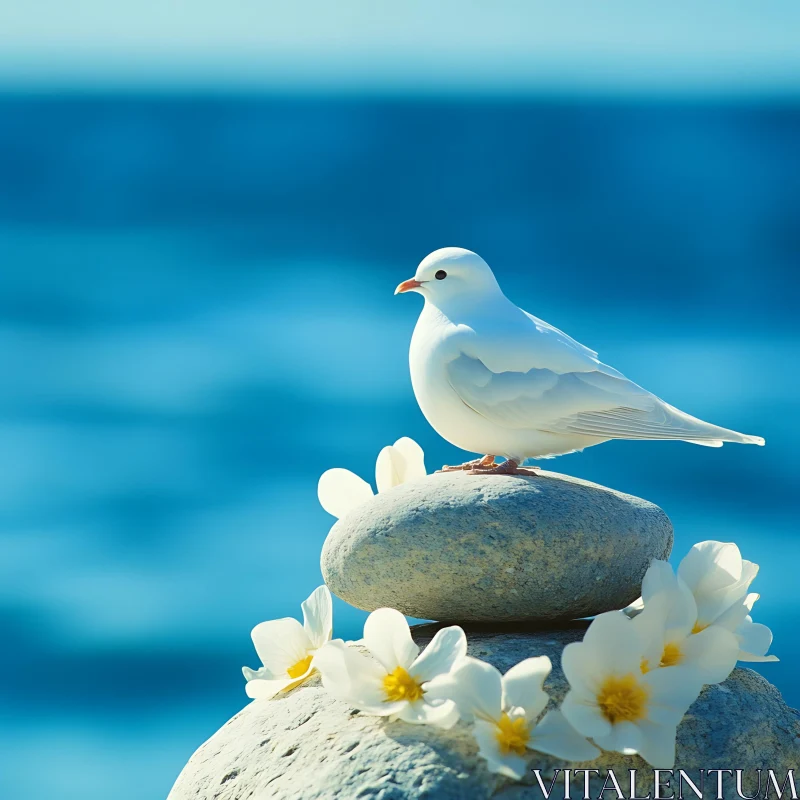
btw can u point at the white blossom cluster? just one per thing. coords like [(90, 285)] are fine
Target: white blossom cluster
[(631, 679)]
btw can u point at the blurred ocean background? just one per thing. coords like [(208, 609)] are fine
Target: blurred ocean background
[(196, 320)]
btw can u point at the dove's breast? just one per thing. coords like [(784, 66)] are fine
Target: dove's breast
[(437, 342), (433, 346)]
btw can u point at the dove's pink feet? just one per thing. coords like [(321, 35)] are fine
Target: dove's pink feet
[(508, 467), (479, 463)]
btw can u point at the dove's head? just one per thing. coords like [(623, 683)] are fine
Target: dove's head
[(452, 275)]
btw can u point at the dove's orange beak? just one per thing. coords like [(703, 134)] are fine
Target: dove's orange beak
[(408, 286)]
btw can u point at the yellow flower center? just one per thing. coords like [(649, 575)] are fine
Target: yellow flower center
[(622, 699), (699, 627), (512, 735), (672, 655), (399, 685), (645, 666), (299, 669)]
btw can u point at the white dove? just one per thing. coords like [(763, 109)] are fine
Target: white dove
[(491, 378)]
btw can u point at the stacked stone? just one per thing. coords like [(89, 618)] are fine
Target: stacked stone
[(467, 548), (515, 561)]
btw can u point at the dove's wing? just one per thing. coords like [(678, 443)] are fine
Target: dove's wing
[(552, 383), (559, 337), (515, 341)]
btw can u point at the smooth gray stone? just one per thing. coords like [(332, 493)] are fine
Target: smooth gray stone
[(454, 546), (307, 746)]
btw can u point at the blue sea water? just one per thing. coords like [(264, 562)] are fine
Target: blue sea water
[(196, 319)]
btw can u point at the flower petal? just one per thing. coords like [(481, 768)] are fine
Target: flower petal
[(657, 746), (659, 577), (475, 686), (388, 637), (736, 613), (522, 686), (578, 668), (714, 608), (280, 644), (672, 691), (413, 459), (264, 689), (749, 658), (511, 765), (556, 737), (712, 652), (710, 566), (318, 616), (624, 737), (354, 678), (444, 715), (651, 625), (582, 712), (683, 610), (340, 491), (681, 606), (754, 641), (257, 674), (388, 469), (447, 646), (612, 645)]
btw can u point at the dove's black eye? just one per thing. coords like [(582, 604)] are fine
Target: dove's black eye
[(440, 275)]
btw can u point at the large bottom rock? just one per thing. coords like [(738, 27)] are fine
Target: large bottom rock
[(308, 745)]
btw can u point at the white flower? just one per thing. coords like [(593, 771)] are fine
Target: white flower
[(666, 626), (719, 578), (340, 490), (613, 702), (393, 682), (287, 649), (505, 709)]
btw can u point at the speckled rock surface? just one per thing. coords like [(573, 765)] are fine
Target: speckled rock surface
[(495, 548), (306, 745)]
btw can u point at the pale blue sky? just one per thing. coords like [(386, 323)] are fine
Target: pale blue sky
[(503, 45)]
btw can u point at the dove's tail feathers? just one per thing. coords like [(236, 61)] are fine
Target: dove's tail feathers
[(724, 435), (706, 434), (738, 438), (656, 420), (743, 439)]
